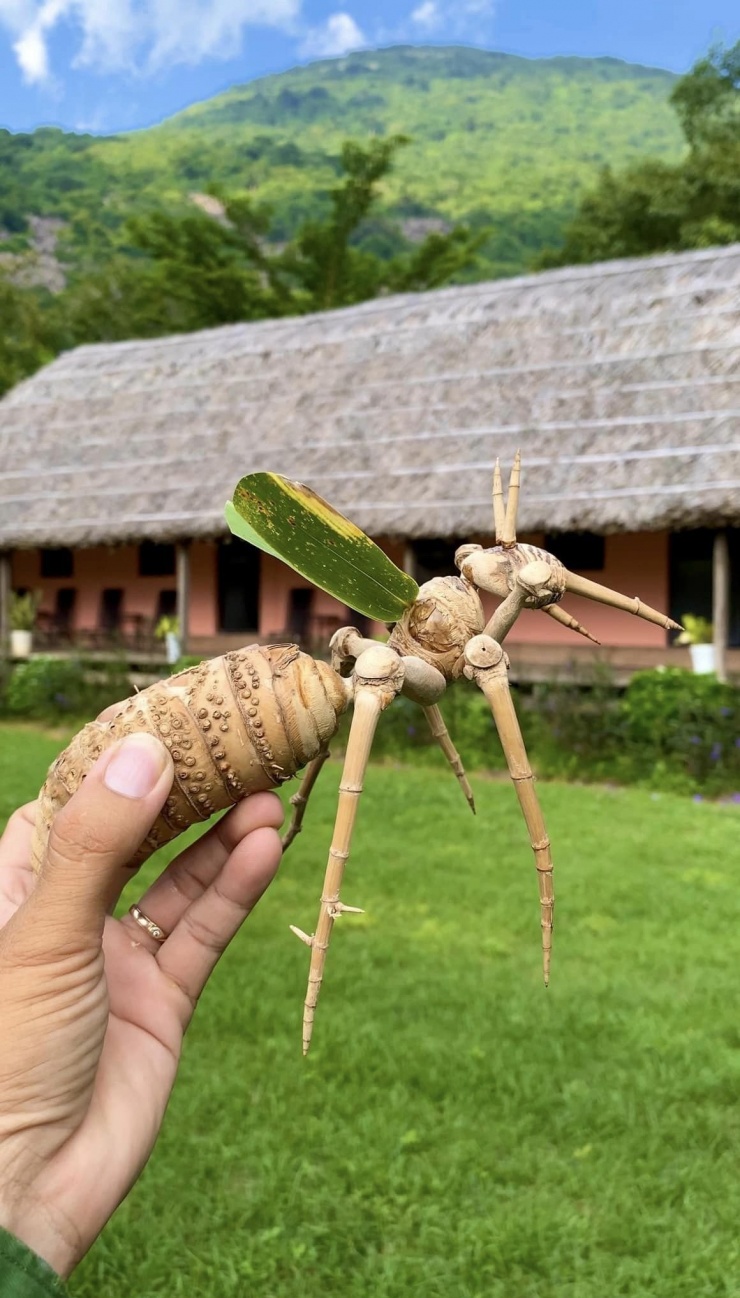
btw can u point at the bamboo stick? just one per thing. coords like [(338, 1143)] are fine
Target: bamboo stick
[(299, 800), (559, 614), (603, 595), (512, 503), (442, 736), (503, 619), (487, 667), (499, 512), (379, 678)]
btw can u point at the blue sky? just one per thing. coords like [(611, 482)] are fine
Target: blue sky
[(106, 65)]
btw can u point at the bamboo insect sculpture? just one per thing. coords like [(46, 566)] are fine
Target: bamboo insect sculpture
[(252, 719)]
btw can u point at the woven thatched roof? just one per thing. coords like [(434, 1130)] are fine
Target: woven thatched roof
[(620, 382)]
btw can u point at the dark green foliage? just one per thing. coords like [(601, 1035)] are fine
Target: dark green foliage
[(657, 206), (708, 99), (26, 335), (179, 272), (321, 260), (669, 730), (50, 689)]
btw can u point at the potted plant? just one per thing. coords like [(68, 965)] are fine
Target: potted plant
[(698, 634), (22, 617), (168, 629)]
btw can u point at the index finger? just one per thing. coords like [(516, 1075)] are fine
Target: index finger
[(16, 875)]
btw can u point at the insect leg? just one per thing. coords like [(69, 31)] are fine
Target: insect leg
[(378, 679), (299, 800), (441, 734), (487, 665)]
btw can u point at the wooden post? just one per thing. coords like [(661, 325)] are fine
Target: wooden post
[(6, 582), (721, 602), (183, 592), (409, 560)]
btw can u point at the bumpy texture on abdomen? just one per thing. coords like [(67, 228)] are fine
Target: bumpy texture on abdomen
[(233, 726)]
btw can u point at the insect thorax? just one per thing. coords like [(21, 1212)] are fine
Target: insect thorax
[(445, 615)]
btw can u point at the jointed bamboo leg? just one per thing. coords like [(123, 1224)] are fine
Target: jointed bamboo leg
[(441, 734), (487, 666), (299, 800), (378, 678)]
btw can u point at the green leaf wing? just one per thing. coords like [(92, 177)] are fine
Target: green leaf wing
[(292, 523)]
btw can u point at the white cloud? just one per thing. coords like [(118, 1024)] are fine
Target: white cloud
[(139, 34), (427, 16), (464, 19), (479, 8), (338, 35)]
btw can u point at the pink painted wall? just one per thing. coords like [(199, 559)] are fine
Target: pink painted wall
[(635, 564), (101, 567)]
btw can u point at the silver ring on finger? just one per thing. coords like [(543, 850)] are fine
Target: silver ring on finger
[(147, 924)]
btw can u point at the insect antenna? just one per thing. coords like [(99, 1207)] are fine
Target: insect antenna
[(559, 615), (512, 501), (499, 512)]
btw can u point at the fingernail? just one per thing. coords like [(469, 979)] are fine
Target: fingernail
[(136, 766)]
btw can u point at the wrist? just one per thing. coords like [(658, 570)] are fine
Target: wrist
[(45, 1232)]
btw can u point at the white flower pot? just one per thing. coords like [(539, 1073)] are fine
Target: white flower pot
[(703, 659), (20, 644), (172, 647)]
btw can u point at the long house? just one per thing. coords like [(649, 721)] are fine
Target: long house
[(619, 382)]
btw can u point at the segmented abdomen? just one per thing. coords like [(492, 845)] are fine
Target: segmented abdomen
[(233, 726)]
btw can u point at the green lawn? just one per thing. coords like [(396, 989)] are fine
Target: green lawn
[(458, 1132)]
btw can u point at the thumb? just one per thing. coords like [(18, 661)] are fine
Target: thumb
[(95, 836)]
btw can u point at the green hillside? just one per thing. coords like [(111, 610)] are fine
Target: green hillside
[(497, 140)]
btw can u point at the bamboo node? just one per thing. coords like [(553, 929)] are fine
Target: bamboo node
[(337, 908), (339, 856)]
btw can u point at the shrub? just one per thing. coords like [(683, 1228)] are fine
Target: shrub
[(49, 688), (669, 730), (683, 730)]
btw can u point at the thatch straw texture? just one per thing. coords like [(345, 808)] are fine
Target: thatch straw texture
[(620, 382)]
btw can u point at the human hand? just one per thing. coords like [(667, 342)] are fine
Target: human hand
[(93, 1010)]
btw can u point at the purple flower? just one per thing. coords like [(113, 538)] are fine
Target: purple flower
[(694, 739), (725, 712), (737, 743), (716, 752), (697, 798), (735, 797), (411, 731)]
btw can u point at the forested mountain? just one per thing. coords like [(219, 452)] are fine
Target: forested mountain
[(496, 141)]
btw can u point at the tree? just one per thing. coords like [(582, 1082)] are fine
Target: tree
[(179, 273), (707, 100), (655, 207), (25, 340)]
